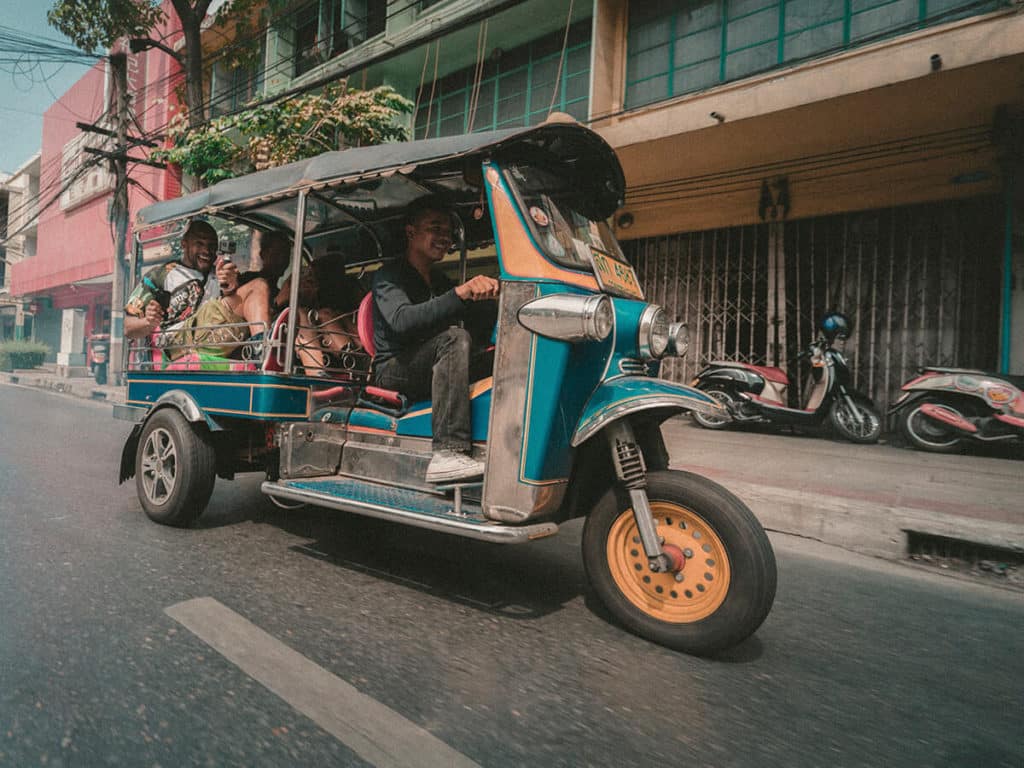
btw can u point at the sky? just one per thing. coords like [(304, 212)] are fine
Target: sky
[(26, 94)]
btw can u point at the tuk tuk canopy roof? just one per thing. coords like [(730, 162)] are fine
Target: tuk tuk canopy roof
[(426, 163)]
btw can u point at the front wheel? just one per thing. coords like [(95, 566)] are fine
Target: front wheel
[(726, 586), (725, 397), (928, 434), (100, 373), (856, 420), (175, 468)]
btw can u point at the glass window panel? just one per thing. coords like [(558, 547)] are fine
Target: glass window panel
[(801, 14), (754, 29), (577, 61), (577, 87), (700, 47), (648, 63), (699, 16), (578, 109), (544, 71), (751, 60), (946, 9), (739, 8), (453, 103), (540, 96), (814, 41), (883, 19), (513, 83), (647, 91), (509, 109), (453, 126), (695, 78), (650, 35), (649, 10)]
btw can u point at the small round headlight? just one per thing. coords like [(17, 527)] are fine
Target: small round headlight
[(652, 339), (678, 339), (603, 317)]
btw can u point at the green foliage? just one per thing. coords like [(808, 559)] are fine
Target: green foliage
[(22, 354), (283, 132), (96, 24)]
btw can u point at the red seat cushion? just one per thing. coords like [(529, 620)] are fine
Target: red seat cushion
[(364, 323)]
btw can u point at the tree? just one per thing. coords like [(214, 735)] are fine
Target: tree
[(96, 24), (283, 132)]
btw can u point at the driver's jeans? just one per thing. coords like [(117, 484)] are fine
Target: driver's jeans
[(438, 369)]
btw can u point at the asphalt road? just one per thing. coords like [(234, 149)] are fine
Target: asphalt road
[(267, 638)]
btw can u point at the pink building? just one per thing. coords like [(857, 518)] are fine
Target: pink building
[(73, 265)]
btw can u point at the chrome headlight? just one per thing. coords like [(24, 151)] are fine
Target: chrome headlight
[(678, 339), (652, 339), (569, 317)]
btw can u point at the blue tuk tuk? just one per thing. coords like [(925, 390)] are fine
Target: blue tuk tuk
[(568, 423)]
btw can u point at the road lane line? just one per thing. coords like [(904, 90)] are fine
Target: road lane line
[(373, 731)]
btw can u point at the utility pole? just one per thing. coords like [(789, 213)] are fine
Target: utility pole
[(119, 215)]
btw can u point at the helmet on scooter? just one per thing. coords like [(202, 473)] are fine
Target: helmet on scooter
[(836, 325)]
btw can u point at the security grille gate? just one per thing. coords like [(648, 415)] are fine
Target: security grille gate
[(921, 284)]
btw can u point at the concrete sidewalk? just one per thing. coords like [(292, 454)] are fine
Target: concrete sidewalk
[(864, 498)]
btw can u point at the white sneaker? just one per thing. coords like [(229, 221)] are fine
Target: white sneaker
[(446, 466)]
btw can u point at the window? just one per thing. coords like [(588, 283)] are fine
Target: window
[(232, 87), (515, 89), (328, 28), (678, 47)]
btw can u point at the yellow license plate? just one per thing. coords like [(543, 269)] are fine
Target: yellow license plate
[(615, 277)]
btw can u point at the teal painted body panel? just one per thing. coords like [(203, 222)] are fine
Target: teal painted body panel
[(241, 395), (370, 419), (417, 423)]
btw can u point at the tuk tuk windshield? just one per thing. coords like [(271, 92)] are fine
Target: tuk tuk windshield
[(557, 215)]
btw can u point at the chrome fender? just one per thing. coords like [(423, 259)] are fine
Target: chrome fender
[(624, 395), (184, 402)]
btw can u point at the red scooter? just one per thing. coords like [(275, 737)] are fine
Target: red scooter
[(943, 408), (758, 393)]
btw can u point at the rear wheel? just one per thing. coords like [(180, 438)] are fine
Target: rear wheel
[(175, 468), (726, 586), (856, 420), (927, 434), (708, 421)]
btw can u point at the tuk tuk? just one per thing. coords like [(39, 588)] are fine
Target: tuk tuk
[(568, 423)]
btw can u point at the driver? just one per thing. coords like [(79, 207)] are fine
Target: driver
[(420, 349)]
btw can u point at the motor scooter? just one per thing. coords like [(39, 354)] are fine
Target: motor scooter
[(99, 348), (942, 409), (757, 394), (567, 424)]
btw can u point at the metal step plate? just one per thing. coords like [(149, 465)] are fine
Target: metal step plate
[(410, 507)]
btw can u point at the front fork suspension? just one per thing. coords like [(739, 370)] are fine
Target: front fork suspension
[(632, 472)]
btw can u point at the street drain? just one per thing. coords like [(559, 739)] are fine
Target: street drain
[(970, 557)]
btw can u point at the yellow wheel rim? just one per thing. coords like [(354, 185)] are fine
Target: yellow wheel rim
[(692, 594)]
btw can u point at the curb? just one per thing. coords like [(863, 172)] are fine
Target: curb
[(86, 389), (868, 529)]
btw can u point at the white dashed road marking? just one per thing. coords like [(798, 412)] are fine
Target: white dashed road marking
[(376, 733)]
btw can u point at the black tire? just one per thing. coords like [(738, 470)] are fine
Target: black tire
[(926, 434), (175, 468), (723, 396), (718, 603), (100, 374), (865, 430)]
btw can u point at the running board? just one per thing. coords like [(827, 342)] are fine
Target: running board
[(404, 505)]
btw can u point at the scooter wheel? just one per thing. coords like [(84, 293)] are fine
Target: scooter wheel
[(725, 587), (175, 469), (865, 429), (100, 374), (713, 422), (927, 434)]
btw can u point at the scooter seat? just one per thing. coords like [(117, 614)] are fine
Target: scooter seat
[(1017, 381), (770, 373)]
